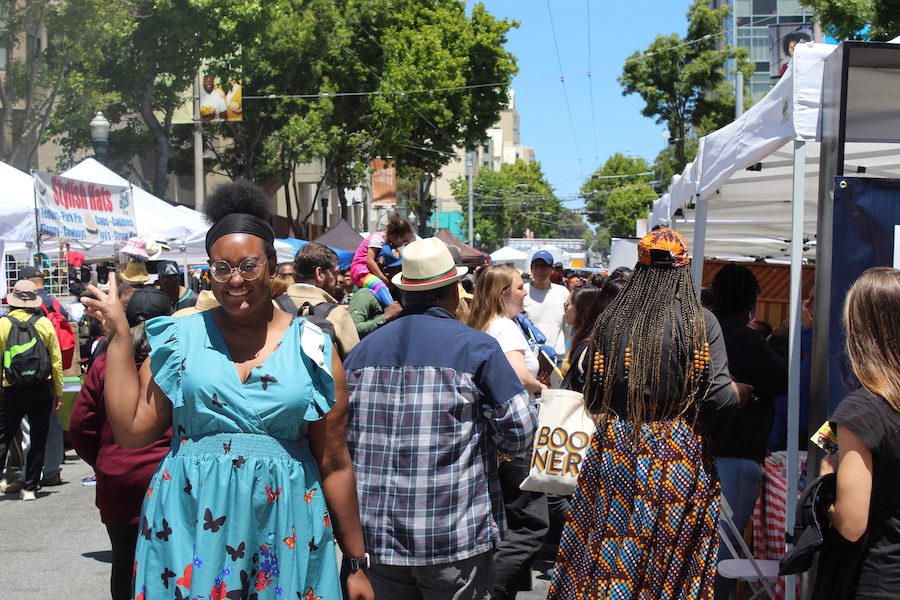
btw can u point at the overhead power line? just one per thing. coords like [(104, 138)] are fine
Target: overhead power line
[(591, 84), (562, 81)]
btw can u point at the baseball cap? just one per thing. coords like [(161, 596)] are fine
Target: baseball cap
[(28, 272), (166, 268), (544, 256), (146, 303)]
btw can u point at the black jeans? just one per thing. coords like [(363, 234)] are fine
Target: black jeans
[(36, 403), (527, 522), (124, 540)]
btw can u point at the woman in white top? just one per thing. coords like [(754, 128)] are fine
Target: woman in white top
[(499, 297)]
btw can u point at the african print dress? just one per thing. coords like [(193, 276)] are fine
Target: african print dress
[(644, 521), (236, 509)]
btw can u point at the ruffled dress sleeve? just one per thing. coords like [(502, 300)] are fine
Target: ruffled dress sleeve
[(166, 357), (316, 349)]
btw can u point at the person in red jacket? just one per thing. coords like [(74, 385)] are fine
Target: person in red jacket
[(122, 474)]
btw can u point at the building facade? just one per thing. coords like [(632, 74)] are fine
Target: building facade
[(754, 24), (502, 145)]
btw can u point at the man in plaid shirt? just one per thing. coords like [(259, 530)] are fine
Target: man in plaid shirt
[(432, 402)]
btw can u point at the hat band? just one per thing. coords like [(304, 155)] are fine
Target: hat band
[(424, 281), (25, 296)]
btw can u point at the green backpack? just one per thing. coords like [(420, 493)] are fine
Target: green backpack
[(26, 360)]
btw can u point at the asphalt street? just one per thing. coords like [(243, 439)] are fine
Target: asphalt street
[(56, 547)]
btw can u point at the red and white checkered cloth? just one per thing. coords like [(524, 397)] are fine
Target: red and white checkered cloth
[(770, 514)]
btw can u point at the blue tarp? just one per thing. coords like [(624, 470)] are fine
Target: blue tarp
[(344, 257)]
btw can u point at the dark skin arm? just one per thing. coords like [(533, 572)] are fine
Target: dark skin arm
[(139, 412), (328, 442)]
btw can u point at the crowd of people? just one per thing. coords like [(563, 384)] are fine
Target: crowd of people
[(237, 434)]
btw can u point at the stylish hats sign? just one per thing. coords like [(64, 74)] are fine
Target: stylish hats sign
[(79, 210)]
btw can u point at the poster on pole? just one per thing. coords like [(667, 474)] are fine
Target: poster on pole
[(82, 210), (384, 183), (218, 89), (782, 40)]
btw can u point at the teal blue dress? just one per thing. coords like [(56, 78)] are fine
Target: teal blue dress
[(236, 510)]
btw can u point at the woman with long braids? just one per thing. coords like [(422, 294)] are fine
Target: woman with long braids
[(258, 480), (645, 514)]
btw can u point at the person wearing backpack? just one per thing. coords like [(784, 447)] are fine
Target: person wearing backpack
[(316, 294), (32, 381), (54, 453)]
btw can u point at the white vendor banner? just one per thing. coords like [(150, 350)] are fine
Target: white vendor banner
[(80, 210)]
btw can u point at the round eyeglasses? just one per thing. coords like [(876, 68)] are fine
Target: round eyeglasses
[(249, 269)]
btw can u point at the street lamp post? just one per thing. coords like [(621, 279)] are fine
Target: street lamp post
[(100, 135)]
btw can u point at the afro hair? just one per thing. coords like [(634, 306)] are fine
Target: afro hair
[(236, 197)]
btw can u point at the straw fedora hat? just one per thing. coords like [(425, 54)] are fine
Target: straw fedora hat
[(135, 273), (205, 301), (427, 265), (24, 295)]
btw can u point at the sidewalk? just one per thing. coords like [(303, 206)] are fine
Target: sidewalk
[(56, 546)]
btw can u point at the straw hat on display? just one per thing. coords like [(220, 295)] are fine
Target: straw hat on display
[(205, 301), (135, 273)]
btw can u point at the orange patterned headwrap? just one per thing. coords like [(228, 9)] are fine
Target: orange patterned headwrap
[(663, 248)]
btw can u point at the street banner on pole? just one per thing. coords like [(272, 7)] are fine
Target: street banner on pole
[(384, 183), (80, 210)]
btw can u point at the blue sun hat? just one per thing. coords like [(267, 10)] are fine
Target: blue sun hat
[(388, 257)]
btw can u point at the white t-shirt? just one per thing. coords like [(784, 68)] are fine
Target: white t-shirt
[(547, 310), (511, 338)]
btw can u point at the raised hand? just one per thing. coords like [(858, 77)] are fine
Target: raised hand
[(108, 309)]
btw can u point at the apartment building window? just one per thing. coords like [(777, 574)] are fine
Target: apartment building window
[(765, 7)]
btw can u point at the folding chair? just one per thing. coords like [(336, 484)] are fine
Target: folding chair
[(758, 574)]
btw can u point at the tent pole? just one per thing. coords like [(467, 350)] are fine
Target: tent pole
[(701, 209), (793, 416)]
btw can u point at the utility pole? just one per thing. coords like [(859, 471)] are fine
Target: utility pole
[(470, 172), (199, 182)]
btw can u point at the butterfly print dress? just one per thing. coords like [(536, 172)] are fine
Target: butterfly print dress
[(236, 510)]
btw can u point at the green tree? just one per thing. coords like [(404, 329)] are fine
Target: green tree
[(682, 80), (146, 70), (424, 45), (35, 74), (515, 201), (844, 19), (571, 225), (619, 193)]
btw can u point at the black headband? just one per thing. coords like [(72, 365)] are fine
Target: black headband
[(240, 223)]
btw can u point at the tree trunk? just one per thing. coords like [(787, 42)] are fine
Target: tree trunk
[(342, 197), (161, 175)]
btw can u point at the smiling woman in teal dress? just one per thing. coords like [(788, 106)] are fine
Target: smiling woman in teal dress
[(258, 473)]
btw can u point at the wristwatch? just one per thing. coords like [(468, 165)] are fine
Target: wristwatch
[(360, 563)]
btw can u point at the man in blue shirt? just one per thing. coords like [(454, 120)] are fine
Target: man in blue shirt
[(432, 404)]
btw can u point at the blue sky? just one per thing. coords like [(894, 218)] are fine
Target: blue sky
[(616, 30)]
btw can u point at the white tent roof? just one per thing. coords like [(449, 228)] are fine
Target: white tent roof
[(153, 216), (16, 204), (749, 212), (507, 254)]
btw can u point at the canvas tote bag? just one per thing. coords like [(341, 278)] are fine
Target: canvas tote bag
[(560, 443)]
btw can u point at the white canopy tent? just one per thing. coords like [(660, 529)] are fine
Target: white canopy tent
[(17, 222), (508, 254), (184, 227)]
